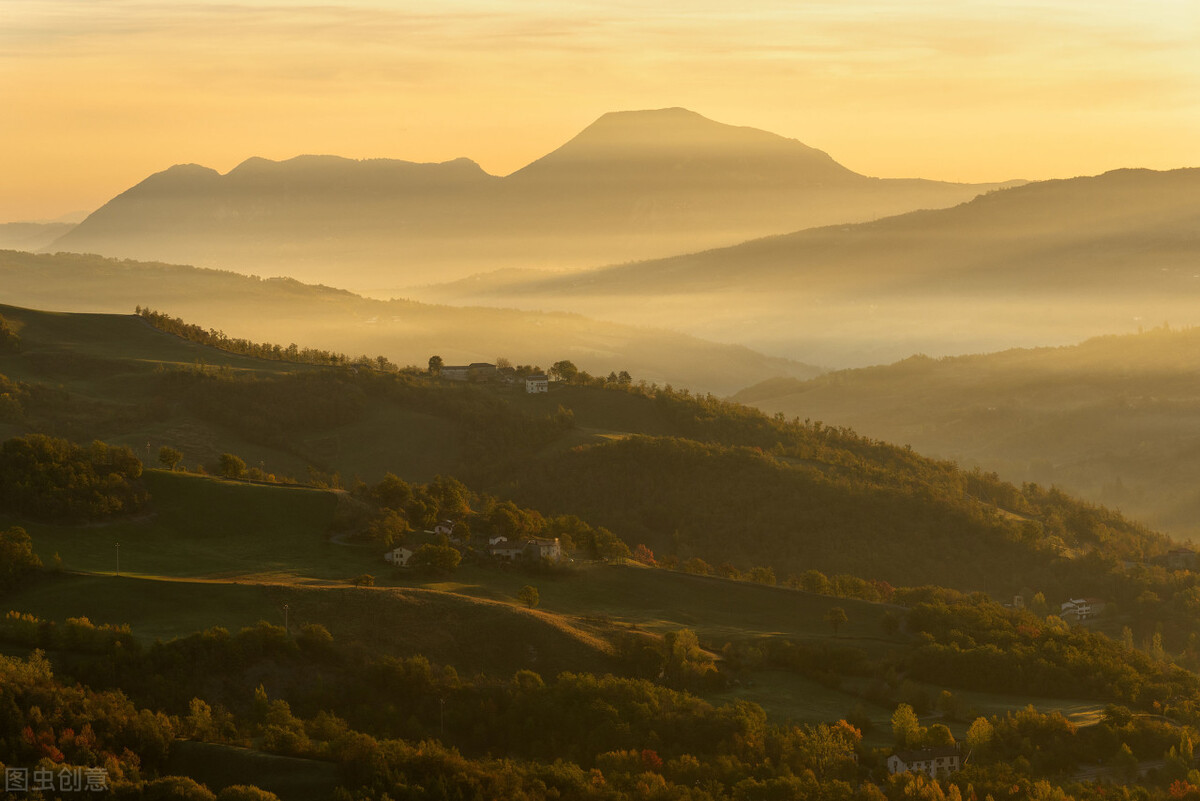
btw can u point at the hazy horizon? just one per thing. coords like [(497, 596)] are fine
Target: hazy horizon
[(972, 92)]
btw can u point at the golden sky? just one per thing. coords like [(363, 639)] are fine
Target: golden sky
[(97, 94)]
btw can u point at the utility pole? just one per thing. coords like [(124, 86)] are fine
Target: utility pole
[(285, 618), (118, 558)]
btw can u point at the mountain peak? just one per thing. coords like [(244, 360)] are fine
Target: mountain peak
[(675, 139)]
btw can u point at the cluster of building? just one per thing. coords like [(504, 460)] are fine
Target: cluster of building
[(483, 371), (499, 548)]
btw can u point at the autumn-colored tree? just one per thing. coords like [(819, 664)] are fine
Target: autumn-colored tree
[(644, 555)]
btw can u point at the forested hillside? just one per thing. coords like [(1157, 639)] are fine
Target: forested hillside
[(1113, 419), (717, 559), (686, 475)]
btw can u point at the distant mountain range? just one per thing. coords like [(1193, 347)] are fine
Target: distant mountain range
[(633, 185), (1048, 262), (31, 235)]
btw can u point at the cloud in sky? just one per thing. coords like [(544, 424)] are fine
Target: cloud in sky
[(104, 93)]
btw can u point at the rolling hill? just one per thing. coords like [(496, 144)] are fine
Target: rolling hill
[(284, 310), (1052, 262), (688, 475), (1114, 419), (632, 185), (451, 673)]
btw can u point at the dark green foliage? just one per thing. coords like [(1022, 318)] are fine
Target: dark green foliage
[(169, 457), (836, 618), (440, 559), (16, 557), (231, 466), (53, 479), (9, 341)]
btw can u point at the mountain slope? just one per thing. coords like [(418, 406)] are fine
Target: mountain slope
[(1008, 268), (632, 185), (1115, 419)]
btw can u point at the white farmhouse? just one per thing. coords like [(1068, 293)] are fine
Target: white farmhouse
[(537, 383), (930, 761), (544, 549), (399, 556)]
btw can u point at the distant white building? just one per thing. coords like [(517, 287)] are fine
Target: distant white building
[(1082, 608), (537, 383), (930, 761), (455, 372), (544, 549), (519, 550), (399, 556), (507, 551)]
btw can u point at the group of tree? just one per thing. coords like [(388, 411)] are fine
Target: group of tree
[(53, 479), (259, 350)]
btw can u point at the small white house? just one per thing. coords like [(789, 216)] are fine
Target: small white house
[(537, 383), (399, 556), (930, 761), (445, 527), (497, 539), (1077, 607)]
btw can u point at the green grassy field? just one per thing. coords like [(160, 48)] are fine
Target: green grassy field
[(205, 527)]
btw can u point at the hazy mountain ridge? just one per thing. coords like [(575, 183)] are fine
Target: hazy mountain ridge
[(31, 235), (286, 310), (1115, 419), (631, 185), (1007, 268)]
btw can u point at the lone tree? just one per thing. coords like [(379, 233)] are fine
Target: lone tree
[(835, 617), (365, 580), (169, 457), (232, 466), (528, 595), (435, 365)]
